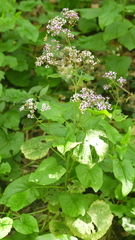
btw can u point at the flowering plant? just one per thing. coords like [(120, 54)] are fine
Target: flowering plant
[(83, 168)]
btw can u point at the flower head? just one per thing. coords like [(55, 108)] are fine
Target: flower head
[(88, 99)]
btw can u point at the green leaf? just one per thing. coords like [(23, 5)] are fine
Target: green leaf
[(18, 185), (124, 172), (48, 172), (55, 113), (82, 153), (54, 75), (57, 129), (73, 204), (36, 148), (90, 177), (5, 226), (22, 199), (94, 42), (5, 168), (93, 225), (1, 88), (129, 225), (2, 75), (6, 23), (88, 13), (118, 64), (10, 61), (116, 29), (118, 116), (15, 95), (109, 12), (1, 58), (112, 134), (28, 6), (10, 143), (10, 119), (28, 30), (48, 236), (22, 79), (101, 112), (84, 77), (128, 39), (27, 224)]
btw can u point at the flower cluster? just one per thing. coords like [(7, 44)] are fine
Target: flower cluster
[(67, 60), (112, 76), (31, 106), (90, 100), (55, 26)]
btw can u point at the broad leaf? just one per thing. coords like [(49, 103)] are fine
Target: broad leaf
[(27, 224), (82, 153), (128, 39), (10, 143), (124, 172), (48, 172), (36, 148), (109, 12), (73, 204), (5, 226), (93, 225), (27, 30), (90, 177)]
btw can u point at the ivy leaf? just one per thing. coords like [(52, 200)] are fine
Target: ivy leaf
[(5, 226), (36, 148), (73, 205), (27, 224), (48, 172), (90, 177), (124, 172)]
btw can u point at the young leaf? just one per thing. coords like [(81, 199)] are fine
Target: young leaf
[(124, 172), (5, 226), (73, 204), (90, 177), (27, 224), (48, 172)]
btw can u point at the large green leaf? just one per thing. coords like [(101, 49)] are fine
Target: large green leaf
[(10, 61), (94, 42), (124, 172), (82, 153), (36, 148), (48, 172), (88, 13), (90, 177), (93, 225), (73, 204), (27, 6), (22, 199), (27, 30), (109, 12), (19, 185), (5, 226), (27, 224), (118, 64), (128, 39), (116, 29), (10, 143)]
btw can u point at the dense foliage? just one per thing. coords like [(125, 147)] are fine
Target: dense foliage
[(67, 120)]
